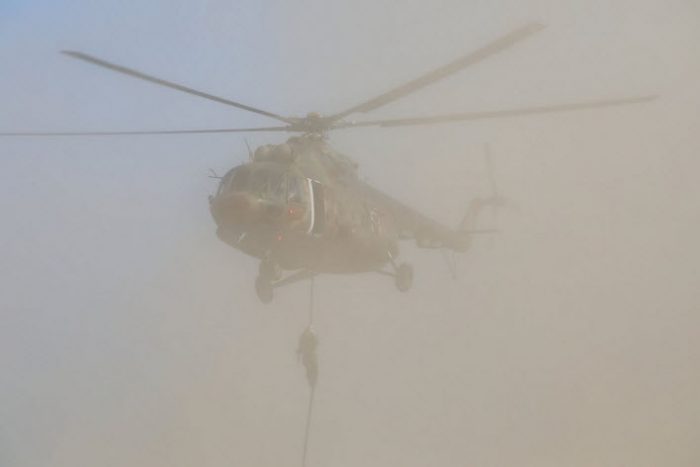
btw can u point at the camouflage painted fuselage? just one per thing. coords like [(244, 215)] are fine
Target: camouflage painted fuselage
[(302, 205)]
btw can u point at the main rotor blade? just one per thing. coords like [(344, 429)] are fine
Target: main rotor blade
[(152, 79), (143, 133), (461, 117), (444, 71)]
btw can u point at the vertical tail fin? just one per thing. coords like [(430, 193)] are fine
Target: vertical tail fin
[(468, 225), (476, 206)]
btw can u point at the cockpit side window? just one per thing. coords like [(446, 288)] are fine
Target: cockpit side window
[(279, 187), (268, 183), (294, 190), (235, 180)]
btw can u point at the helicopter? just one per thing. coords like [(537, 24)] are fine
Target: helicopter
[(300, 206)]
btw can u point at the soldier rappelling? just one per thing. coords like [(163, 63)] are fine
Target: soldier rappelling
[(306, 354)]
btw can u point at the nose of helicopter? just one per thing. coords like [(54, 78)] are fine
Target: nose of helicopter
[(243, 209), (233, 208)]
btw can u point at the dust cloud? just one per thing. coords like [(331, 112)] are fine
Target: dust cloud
[(131, 336)]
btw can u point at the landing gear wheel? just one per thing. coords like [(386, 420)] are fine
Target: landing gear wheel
[(264, 289), (271, 270), (404, 277)]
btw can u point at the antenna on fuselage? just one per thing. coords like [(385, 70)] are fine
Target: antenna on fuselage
[(250, 151)]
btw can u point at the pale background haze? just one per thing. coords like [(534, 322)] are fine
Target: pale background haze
[(129, 335)]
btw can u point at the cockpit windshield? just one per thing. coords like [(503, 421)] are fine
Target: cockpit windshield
[(267, 183)]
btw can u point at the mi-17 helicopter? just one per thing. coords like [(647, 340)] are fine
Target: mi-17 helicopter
[(300, 207)]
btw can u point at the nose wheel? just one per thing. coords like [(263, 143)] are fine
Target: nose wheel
[(271, 276), (402, 274), (404, 277), (264, 288), (268, 273), (270, 270)]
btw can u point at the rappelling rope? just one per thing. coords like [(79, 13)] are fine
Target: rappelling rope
[(308, 425), (311, 302), (310, 409)]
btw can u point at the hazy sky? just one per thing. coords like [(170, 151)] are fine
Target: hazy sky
[(129, 335)]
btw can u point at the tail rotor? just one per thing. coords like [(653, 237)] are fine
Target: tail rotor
[(476, 206), (468, 226)]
